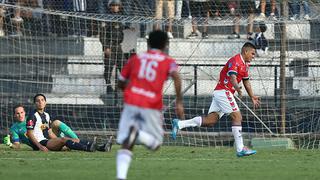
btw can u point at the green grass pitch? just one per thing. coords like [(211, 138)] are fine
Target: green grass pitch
[(169, 163)]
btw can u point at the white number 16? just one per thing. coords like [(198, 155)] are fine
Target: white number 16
[(148, 70)]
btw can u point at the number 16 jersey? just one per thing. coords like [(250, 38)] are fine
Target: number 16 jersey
[(146, 74)]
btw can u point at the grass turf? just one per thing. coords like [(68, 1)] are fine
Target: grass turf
[(169, 163)]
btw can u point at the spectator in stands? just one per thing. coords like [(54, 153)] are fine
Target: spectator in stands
[(294, 9), (16, 18), (263, 4), (111, 37), (79, 24), (170, 14), (2, 16), (244, 8), (180, 4), (94, 7), (260, 40), (200, 12)]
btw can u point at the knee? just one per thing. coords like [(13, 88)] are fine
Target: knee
[(55, 124)]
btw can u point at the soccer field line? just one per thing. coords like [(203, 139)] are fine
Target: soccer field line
[(138, 158)]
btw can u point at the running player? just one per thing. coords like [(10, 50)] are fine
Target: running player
[(223, 101), (142, 80)]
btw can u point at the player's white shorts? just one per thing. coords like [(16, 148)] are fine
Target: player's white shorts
[(147, 120), (223, 102)]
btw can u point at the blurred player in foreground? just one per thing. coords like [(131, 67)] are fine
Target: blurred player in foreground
[(223, 101), (142, 80)]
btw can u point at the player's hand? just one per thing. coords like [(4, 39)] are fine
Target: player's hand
[(256, 101), (43, 148), (107, 52), (180, 110)]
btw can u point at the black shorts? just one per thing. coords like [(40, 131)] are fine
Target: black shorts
[(35, 148), (199, 9)]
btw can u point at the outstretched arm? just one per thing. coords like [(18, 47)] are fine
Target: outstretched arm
[(34, 140), (255, 99), (177, 86)]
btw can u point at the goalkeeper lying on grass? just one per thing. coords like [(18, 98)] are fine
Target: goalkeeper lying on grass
[(18, 131)]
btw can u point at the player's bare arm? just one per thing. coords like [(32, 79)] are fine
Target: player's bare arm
[(34, 140), (255, 99), (51, 134), (179, 104), (235, 84), (122, 85)]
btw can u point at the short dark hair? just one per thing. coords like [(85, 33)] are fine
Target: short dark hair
[(249, 44), (158, 39), (263, 27), (34, 98), (17, 106)]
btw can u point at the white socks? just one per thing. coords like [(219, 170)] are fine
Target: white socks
[(148, 140), (194, 122), (123, 163), (236, 131)]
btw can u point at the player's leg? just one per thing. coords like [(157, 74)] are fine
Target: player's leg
[(151, 132), (80, 145), (106, 147), (229, 106), (55, 144), (126, 136), (58, 127), (198, 121)]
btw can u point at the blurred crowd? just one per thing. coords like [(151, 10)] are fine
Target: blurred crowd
[(13, 20)]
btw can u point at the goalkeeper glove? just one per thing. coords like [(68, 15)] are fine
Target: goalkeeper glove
[(7, 141)]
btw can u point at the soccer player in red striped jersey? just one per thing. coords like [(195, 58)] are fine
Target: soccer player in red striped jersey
[(142, 80), (223, 101)]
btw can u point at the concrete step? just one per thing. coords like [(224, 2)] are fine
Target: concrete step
[(73, 98), (90, 65), (27, 45), (79, 84), (299, 29), (221, 47)]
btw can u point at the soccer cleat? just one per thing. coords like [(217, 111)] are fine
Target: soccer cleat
[(192, 35), (234, 36), (205, 35), (170, 36), (91, 147), (108, 145), (175, 129), (246, 152)]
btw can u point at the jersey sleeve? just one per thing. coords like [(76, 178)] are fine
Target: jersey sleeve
[(232, 67), (31, 122), (14, 135)]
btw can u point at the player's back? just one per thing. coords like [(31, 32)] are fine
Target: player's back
[(147, 73)]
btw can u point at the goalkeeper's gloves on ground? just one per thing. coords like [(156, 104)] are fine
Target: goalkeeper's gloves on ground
[(7, 141)]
